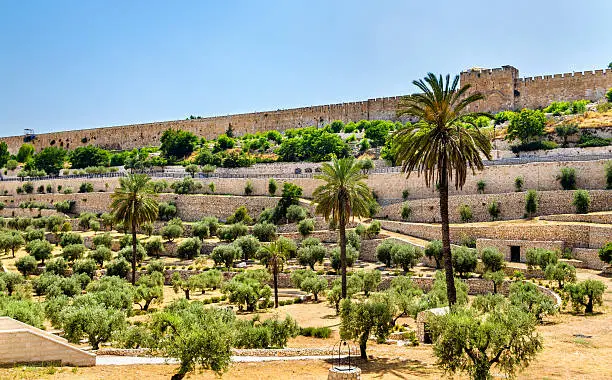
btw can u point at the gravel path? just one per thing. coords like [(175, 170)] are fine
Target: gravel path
[(137, 360)]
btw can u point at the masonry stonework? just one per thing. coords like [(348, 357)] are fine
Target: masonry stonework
[(502, 87)]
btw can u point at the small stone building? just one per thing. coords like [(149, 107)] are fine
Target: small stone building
[(423, 333)]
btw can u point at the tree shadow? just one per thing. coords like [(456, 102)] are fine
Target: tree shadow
[(400, 368)]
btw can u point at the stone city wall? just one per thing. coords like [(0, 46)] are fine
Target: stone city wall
[(511, 206), (599, 217), (590, 257), (149, 134), (505, 90)]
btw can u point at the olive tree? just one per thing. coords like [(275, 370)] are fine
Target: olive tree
[(586, 294), (466, 340), (359, 319)]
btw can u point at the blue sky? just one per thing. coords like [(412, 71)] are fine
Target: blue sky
[(85, 64)]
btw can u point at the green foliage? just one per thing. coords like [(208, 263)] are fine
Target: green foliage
[(526, 296), (464, 260), (605, 253), (581, 201), (265, 232), (11, 164), (369, 279), (405, 256), (101, 254), (566, 130), (541, 257), (196, 335), (312, 254), (40, 249), (149, 289), (467, 340), (566, 108), (272, 186), (189, 248), (269, 333), (177, 144), (533, 145), (127, 253), (192, 169), (171, 232), (567, 178), (295, 213), (526, 125), (248, 188), (438, 297), (186, 186), (249, 245), (25, 153), (167, 211), (50, 159), (434, 251), (351, 255), (88, 156), (233, 231), (359, 319), (377, 131), (241, 215), (290, 196), (311, 144), (373, 229), (118, 267), (103, 240), (87, 266), (492, 259), (608, 175), (494, 210), (316, 332), (561, 272), (26, 265), (56, 266), (23, 310), (465, 212), (306, 227), (4, 154), (70, 238), (531, 202), (247, 288), (73, 252), (92, 320), (383, 251), (226, 254), (586, 294), (406, 211)]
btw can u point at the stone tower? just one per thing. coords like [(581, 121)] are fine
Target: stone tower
[(497, 85)]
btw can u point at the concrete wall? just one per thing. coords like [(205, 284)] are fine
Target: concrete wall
[(22, 343)]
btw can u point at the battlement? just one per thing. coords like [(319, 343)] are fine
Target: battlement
[(502, 87)]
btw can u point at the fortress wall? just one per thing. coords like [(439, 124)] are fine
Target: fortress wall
[(536, 92), (149, 134)]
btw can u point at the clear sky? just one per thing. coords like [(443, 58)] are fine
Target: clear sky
[(85, 64)]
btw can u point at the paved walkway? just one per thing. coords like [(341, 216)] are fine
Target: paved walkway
[(137, 360)]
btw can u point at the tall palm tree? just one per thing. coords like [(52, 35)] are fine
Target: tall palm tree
[(133, 204), (445, 142), (343, 195), (276, 254)]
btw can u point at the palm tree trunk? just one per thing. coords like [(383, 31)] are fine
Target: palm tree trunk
[(134, 251), (275, 275), (342, 230), (451, 292)]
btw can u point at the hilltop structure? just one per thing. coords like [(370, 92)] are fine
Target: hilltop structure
[(503, 88)]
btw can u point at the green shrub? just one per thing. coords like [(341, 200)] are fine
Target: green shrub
[(26, 265), (540, 257), (101, 254), (249, 245), (464, 260), (586, 294), (533, 145), (73, 252), (171, 232), (87, 266), (406, 211), (86, 187), (608, 170), (233, 231), (272, 186), (240, 215), (265, 232), (167, 211), (492, 259), (351, 255), (480, 186), (70, 238), (306, 227), (405, 256), (57, 266), (531, 202), (465, 212), (119, 267), (201, 230), (189, 248), (605, 253), (494, 210), (295, 213), (526, 125), (225, 254), (312, 254), (316, 332), (581, 201), (373, 229), (567, 178), (433, 250), (248, 188)]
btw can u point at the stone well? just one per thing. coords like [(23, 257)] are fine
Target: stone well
[(343, 373)]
